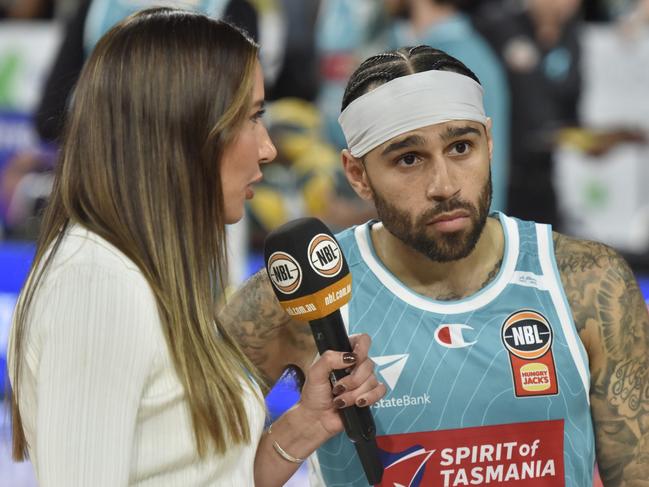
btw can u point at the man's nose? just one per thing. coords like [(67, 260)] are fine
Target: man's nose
[(443, 185)]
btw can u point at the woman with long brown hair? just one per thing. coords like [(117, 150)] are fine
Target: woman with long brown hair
[(121, 371)]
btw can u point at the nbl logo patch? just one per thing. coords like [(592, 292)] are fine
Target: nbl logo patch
[(324, 255), (284, 272), (527, 336)]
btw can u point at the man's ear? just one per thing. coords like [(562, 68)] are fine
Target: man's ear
[(490, 140), (356, 175)]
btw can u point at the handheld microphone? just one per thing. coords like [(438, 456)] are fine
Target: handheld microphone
[(312, 281)]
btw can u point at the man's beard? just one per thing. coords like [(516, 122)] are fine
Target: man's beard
[(446, 247)]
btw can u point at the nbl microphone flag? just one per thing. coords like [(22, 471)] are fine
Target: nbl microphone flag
[(307, 269)]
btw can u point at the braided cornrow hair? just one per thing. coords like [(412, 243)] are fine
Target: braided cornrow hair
[(387, 66)]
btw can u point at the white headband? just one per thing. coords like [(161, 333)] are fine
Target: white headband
[(408, 103)]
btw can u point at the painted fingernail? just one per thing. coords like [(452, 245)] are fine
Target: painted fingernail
[(338, 389), (339, 403), (361, 402), (349, 358)]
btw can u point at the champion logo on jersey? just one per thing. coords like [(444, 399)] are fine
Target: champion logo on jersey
[(390, 367), (452, 336)]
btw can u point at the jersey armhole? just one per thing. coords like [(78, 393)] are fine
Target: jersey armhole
[(557, 293)]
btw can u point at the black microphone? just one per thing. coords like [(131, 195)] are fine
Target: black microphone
[(312, 281)]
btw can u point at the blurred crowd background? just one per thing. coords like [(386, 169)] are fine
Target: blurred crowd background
[(566, 84)]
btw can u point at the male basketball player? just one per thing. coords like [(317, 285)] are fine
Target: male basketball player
[(513, 355)]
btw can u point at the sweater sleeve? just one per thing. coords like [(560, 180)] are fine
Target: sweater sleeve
[(95, 359)]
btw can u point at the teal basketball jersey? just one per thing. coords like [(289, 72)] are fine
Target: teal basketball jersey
[(491, 389)]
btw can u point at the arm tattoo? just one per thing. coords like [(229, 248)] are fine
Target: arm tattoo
[(612, 320), (263, 330)]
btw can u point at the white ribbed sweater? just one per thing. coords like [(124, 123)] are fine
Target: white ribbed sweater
[(100, 399)]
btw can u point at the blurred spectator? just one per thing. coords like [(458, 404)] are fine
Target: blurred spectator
[(25, 184), (306, 177), (272, 35), (636, 20), (480, 8), (27, 9), (37, 9), (63, 75), (298, 76), (103, 14), (606, 10), (26, 50), (601, 169), (91, 20), (539, 47), (346, 32), (284, 29), (352, 30)]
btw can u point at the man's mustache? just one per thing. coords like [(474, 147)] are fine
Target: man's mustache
[(447, 207)]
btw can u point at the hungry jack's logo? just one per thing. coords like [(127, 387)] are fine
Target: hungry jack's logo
[(284, 272), (527, 336)]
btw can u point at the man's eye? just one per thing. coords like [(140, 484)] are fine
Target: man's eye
[(408, 160), (461, 147)]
